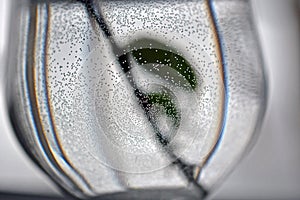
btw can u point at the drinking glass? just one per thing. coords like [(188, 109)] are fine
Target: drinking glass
[(135, 99)]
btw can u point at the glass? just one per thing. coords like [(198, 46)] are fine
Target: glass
[(135, 99)]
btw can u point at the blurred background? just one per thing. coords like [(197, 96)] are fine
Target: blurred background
[(271, 170)]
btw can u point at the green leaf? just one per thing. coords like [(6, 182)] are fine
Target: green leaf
[(164, 100), (159, 55), (161, 60)]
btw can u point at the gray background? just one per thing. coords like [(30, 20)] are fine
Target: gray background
[(270, 171)]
